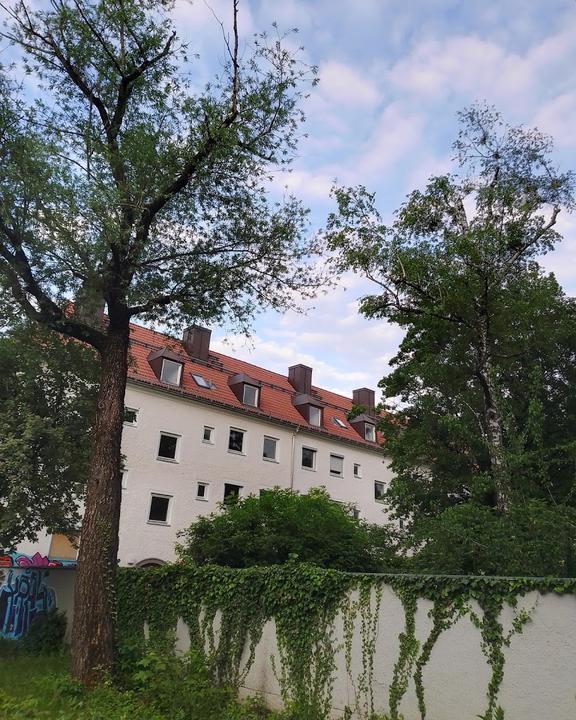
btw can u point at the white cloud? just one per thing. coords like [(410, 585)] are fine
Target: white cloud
[(345, 87), (558, 119)]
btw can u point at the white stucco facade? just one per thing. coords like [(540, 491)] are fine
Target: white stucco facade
[(214, 465)]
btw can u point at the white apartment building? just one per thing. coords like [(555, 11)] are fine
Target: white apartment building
[(202, 426)]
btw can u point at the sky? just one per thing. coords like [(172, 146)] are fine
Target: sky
[(393, 76)]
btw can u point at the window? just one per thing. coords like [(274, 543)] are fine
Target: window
[(308, 458), (370, 432), (250, 395), (167, 447), (171, 372), (357, 470), (338, 422), (130, 416), (208, 436), (159, 507), (315, 415), (231, 492), (236, 440), (355, 512), (269, 451), (379, 491), (336, 465), (124, 479), (201, 381), (202, 491)]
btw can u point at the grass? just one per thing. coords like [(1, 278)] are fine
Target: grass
[(39, 688)]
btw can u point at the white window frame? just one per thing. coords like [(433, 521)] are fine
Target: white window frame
[(314, 452), (256, 394), (314, 408), (370, 432), (203, 498), (176, 457), (168, 520), (212, 431), (174, 362), (336, 473), (237, 452), (357, 470), (276, 441), (379, 482), (127, 423), (235, 484), (201, 381), (124, 479)]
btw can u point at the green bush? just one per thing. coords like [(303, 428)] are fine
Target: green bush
[(46, 633)]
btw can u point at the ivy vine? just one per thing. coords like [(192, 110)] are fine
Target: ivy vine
[(226, 611)]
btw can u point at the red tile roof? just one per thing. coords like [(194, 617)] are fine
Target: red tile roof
[(275, 395)]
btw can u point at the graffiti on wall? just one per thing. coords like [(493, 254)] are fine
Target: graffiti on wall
[(24, 591)]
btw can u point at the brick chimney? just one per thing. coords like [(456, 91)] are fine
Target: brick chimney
[(300, 377), (365, 397), (196, 340)]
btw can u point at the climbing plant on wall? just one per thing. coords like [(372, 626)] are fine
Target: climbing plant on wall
[(226, 611)]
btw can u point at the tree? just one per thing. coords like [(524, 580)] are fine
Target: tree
[(485, 371), (121, 186), (280, 525), (457, 269), (47, 395)]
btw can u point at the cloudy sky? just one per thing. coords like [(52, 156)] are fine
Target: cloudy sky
[(392, 77)]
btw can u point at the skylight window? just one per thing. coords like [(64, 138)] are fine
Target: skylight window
[(338, 422), (201, 381)]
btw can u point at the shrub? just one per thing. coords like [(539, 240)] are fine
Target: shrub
[(46, 633)]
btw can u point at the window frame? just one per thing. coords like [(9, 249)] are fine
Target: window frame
[(314, 458), (231, 484), (383, 485), (206, 485), (357, 470), (201, 381), (275, 441), (210, 441), (319, 410), (168, 520), (256, 390), (336, 473), (372, 432), (136, 411), (176, 457), (174, 362), (243, 432)]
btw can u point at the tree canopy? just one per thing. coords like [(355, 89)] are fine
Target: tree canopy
[(484, 378), (47, 395)]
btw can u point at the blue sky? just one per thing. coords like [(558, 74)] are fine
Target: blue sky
[(392, 77)]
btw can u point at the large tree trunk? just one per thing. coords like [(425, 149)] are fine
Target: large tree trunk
[(94, 597), (494, 428)]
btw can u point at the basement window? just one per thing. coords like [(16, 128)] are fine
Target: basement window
[(171, 372), (158, 513)]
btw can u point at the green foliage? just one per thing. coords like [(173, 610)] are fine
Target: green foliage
[(485, 375), (46, 633), (47, 399), (283, 524), (304, 602)]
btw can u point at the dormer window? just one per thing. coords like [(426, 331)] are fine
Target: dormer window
[(315, 415), (246, 389), (171, 372), (250, 395), (370, 432)]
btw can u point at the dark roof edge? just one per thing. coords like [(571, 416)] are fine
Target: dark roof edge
[(378, 449)]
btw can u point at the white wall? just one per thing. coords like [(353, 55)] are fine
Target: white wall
[(538, 674), (214, 464)]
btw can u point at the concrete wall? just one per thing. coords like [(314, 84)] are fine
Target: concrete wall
[(214, 464), (538, 675)]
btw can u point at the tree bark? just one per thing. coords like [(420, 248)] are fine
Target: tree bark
[(93, 637), (494, 427)]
